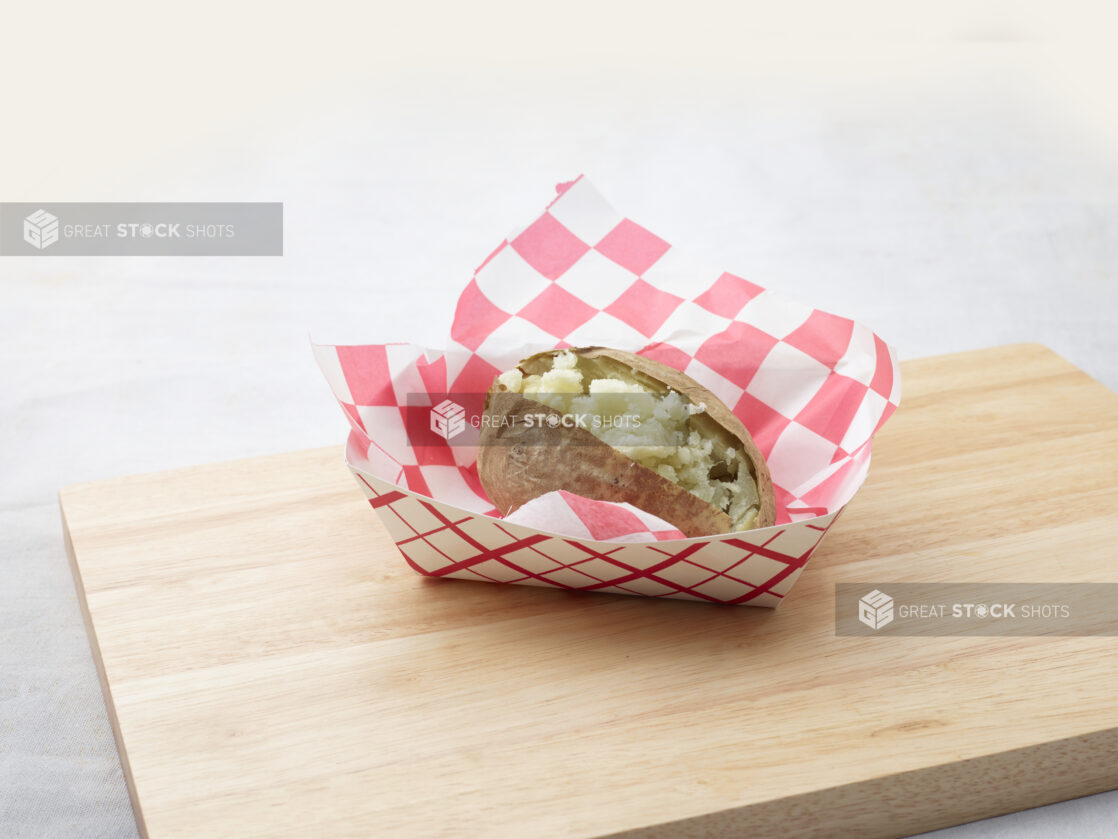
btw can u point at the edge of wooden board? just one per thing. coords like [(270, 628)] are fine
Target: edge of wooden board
[(899, 805), (102, 677)]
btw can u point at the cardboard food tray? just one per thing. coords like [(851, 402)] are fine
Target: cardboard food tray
[(273, 669), (812, 388)]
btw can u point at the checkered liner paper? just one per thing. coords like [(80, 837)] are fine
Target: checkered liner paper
[(811, 387)]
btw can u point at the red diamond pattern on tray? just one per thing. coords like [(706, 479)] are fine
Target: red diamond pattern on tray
[(557, 312), (644, 586), (422, 557), (632, 247), (526, 556), (756, 567), (685, 574), (558, 552), (723, 589), (482, 532), (736, 569), (493, 571), (570, 578), (599, 569), (549, 247), (782, 586)]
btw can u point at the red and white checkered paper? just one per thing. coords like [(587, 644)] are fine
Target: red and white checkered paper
[(572, 515), (811, 387)]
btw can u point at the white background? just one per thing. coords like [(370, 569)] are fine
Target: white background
[(950, 180)]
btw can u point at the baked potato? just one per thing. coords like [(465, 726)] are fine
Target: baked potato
[(681, 454)]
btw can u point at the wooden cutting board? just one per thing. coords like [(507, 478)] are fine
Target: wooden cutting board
[(272, 668)]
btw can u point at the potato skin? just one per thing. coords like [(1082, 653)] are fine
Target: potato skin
[(716, 412), (517, 463)]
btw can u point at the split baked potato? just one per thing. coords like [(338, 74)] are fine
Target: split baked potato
[(679, 454)]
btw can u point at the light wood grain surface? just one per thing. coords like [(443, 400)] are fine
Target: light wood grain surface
[(276, 670)]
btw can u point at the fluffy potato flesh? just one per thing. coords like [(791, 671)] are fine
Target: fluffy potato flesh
[(649, 422)]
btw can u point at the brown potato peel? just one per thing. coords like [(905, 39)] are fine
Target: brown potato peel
[(518, 462)]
